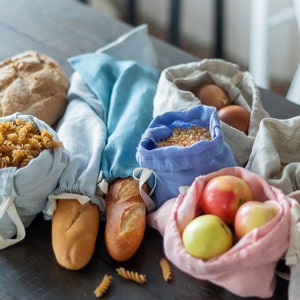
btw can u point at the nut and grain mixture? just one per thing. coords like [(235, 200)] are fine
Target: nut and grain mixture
[(185, 137)]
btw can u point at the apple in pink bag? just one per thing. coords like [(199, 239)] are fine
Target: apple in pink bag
[(247, 268), (223, 195), (253, 214)]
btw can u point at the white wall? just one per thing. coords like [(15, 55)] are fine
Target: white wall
[(197, 25)]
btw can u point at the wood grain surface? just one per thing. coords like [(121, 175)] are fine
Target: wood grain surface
[(61, 29)]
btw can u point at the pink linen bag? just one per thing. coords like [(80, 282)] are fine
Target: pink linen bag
[(248, 268)]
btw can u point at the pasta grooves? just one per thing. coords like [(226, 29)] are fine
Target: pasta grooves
[(103, 286), (166, 269), (130, 275)]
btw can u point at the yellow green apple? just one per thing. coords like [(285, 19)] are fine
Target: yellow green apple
[(207, 236), (253, 214)]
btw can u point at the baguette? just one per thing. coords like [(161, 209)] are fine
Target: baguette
[(125, 218), (74, 232)]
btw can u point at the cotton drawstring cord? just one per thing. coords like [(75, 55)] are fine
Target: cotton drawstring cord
[(142, 175), (8, 206)]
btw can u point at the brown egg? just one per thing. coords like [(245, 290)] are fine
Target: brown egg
[(235, 116), (212, 95)]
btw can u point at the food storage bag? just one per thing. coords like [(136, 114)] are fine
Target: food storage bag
[(248, 268), (275, 154), (292, 256), (177, 166), (110, 104), (24, 190), (174, 93)]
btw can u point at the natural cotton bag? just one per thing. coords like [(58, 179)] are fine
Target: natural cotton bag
[(174, 93), (275, 153)]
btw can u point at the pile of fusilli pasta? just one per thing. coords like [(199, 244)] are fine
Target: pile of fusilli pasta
[(22, 141)]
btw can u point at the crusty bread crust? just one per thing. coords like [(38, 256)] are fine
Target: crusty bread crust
[(125, 219), (34, 84), (74, 232)]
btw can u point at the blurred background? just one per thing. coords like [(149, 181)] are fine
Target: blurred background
[(261, 36)]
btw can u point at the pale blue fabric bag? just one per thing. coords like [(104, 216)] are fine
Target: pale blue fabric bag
[(83, 133), (175, 167), (24, 191), (125, 90), (110, 106)]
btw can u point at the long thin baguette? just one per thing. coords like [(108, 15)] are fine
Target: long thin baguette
[(125, 219), (74, 232)]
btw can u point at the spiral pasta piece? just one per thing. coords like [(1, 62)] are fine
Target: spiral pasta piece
[(130, 275), (103, 286), (166, 269)]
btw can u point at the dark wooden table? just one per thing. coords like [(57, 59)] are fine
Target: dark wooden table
[(63, 28)]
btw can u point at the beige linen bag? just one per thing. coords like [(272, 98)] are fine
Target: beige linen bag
[(275, 154), (174, 93)]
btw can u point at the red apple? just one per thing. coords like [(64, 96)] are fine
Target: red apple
[(223, 195), (253, 214)]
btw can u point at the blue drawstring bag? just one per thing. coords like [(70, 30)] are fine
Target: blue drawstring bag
[(177, 166)]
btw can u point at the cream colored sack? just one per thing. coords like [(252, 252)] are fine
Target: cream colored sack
[(174, 93), (275, 154)]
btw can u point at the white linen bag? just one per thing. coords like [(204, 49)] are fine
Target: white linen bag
[(174, 93), (275, 154), (292, 256), (24, 191)]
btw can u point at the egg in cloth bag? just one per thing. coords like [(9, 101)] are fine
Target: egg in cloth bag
[(176, 90), (248, 268), (32, 160), (176, 164)]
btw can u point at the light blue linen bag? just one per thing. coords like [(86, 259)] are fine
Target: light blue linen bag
[(110, 106), (125, 90), (24, 191), (83, 133)]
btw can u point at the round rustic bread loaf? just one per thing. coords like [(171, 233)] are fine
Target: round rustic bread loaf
[(33, 83)]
